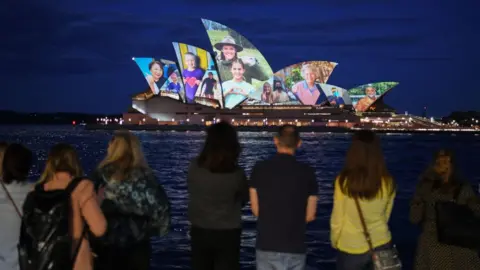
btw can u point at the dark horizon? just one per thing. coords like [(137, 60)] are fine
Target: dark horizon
[(76, 57)]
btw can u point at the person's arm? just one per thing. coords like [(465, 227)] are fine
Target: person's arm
[(467, 196), (336, 219), (312, 198), (388, 209), (253, 191), (90, 208), (417, 205), (243, 191)]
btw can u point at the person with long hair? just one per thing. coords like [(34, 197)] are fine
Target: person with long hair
[(218, 189), (16, 161), (365, 179), (62, 169), (441, 182), (134, 203)]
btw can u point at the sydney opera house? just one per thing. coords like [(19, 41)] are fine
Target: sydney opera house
[(235, 83)]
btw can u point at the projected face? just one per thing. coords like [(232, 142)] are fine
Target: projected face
[(229, 52), (190, 61), (364, 96), (237, 71), (370, 92), (174, 77), (309, 75), (267, 88), (156, 70)]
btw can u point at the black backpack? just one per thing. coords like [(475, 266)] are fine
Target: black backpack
[(45, 239)]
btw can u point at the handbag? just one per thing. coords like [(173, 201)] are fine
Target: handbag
[(382, 259), (457, 224)]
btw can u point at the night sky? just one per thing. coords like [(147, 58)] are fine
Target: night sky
[(75, 56)]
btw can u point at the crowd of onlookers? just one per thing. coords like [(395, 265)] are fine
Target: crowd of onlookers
[(105, 221)]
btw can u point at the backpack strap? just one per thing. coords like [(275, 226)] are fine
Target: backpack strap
[(73, 184)]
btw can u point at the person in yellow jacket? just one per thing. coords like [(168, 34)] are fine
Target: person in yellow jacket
[(364, 177)]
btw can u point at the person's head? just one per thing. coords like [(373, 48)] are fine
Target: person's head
[(278, 86), (267, 88), (210, 75), (190, 61), (370, 92), (334, 92), (125, 153), (443, 164), (3, 147), (229, 48), (221, 149), (309, 73), (174, 77), (365, 174), (156, 68), (62, 160), (238, 69), (17, 161), (287, 139)]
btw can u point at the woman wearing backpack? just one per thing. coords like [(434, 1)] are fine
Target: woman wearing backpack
[(362, 203), (15, 164), (59, 212), (135, 205), (440, 182)]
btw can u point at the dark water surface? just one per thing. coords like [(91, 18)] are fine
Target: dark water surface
[(169, 154)]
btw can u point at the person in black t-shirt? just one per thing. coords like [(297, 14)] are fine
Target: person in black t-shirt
[(210, 83), (283, 195)]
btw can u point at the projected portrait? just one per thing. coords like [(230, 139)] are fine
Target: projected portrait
[(173, 87), (156, 73), (365, 95), (336, 96), (210, 87), (237, 89), (302, 80), (229, 46)]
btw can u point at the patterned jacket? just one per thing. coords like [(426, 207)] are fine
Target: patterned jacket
[(139, 194)]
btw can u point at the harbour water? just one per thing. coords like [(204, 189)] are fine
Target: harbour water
[(169, 154)]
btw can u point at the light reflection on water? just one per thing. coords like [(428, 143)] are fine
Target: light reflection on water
[(169, 154)]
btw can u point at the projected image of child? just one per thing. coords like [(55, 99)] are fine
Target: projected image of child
[(174, 85), (192, 74), (237, 89)]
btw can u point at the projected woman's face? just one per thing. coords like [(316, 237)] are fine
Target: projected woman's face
[(237, 71), (229, 52), (309, 76), (267, 88), (156, 71)]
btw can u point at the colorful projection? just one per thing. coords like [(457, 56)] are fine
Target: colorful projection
[(242, 68), (157, 73), (301, 83), (336, 96), (202, 84), (364, 96)]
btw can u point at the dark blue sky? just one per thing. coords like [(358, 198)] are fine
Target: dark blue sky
[(76, 55)]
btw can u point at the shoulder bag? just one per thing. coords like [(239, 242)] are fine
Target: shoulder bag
[(457, 224), (382, 259)]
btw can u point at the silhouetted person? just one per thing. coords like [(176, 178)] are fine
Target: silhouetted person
[(217, 189), (15, 166), (134, 203), (365, 178), (283, 195), (440, 182)]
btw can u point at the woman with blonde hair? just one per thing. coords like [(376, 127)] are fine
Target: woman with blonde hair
[(362, 203), (135, 205), (58, 213)]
